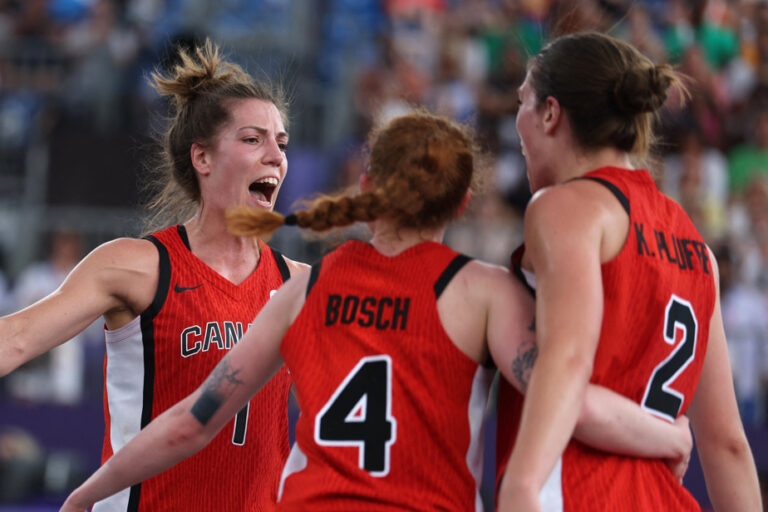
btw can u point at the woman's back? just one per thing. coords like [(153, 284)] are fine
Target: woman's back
[(658, 298), (392, 410)]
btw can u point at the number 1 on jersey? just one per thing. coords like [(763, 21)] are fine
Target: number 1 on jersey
[(359, 414), (241, 426)]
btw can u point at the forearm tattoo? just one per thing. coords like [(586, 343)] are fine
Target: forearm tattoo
[(217, 388), (522, 365)]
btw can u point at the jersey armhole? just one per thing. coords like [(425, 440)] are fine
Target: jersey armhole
[(517, 271), (445, 278), (516, 268), (163, 279), (616, 191), (282, 266), (183, 235), (453, 267), (313, 274)]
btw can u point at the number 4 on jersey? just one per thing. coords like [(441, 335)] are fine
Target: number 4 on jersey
[(660, 399), (359, 414)]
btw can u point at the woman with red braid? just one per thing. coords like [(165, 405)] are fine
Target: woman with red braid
[(390, 345)]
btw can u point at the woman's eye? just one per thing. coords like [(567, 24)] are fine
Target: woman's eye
[(251, 140)]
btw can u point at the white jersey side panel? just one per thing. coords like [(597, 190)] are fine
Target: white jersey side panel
[(478, 404), (551, 495), (125, 395), (296, 462)]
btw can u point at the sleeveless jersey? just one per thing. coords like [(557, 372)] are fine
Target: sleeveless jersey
[(391, 410), (659, 296), (165, 354)]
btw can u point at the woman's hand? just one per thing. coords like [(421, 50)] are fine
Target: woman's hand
[(72, 505), (679, 464), (517, 496)]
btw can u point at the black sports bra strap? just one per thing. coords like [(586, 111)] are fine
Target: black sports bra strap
[(282, 266), (453, 267), (613, 188)]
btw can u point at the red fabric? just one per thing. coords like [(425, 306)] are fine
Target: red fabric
[(430, 391), (639, 286), (223, 476)]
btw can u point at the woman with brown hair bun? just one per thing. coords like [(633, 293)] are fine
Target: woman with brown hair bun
[(389, 344), (626, 295), (176, 301)]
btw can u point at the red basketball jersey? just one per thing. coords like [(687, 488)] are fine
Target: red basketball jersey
[(659, 297), (391, 410), (165, 354)]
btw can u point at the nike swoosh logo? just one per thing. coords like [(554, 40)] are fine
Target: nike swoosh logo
[(179, 289)]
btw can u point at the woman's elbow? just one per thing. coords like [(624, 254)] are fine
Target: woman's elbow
[(567, 359), (590, 407), (726, 446), (186, 434), (578, 366), (11, 357), (737, 447)]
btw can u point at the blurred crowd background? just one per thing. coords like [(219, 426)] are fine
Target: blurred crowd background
[(77, 120)]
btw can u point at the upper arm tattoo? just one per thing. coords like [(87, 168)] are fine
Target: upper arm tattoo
[(219, 386), (522, 365)]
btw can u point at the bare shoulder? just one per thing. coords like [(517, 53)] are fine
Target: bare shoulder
[(128, 253), (580, 200), (126, 268), (475, 276), (296, 267), (564, 218), (566, 203), (290, 298), (478, 272), (485, 282)]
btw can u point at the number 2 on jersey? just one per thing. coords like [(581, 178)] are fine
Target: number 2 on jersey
[(359, 414), (659, 398)]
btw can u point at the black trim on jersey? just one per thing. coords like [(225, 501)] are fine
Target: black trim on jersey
[(183, 234), (313, 273), (148, 337), (133, 498), (163, 282), (450, 271), (282, 265), (517, 268), (613, 188), (454, 266)]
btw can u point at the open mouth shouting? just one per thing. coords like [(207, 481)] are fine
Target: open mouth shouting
[(263, 191)]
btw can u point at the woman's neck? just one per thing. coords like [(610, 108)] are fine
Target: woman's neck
[(232, 256), (391, 240), (584, 162)]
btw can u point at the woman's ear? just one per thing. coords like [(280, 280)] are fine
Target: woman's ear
[(366, 183), (200, 161), (553, 114)]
